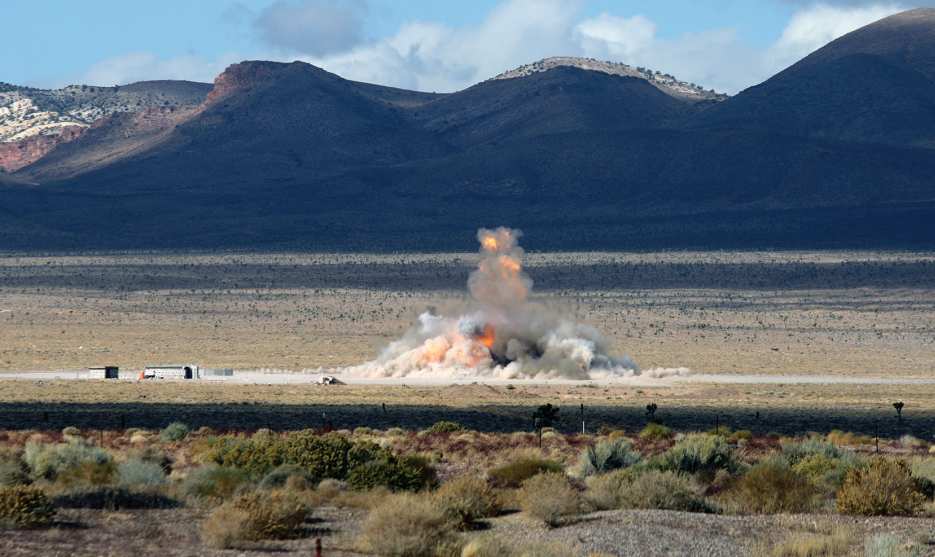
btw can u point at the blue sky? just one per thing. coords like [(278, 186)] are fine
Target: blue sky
[(428, 45)]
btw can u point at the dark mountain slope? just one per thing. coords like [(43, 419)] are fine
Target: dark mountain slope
[(631, 188), (263, 119), (833, 152), (874, 85), (561, 99)]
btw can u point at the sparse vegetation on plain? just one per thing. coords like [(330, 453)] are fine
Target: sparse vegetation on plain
[(751, 313), (461, 485), (469, 450)]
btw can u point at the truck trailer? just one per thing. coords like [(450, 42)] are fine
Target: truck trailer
[(171, 372)]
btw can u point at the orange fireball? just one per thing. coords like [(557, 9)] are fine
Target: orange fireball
[(486, 337)]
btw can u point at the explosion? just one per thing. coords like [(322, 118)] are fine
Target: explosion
[(501, 339)]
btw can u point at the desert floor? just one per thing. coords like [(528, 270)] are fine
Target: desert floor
[(850, 314), (786, 408), (819, 340)]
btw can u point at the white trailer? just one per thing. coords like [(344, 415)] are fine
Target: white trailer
[(171, 372)]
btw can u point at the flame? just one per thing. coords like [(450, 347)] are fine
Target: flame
[(501, 339), (510, 264), (434, 349), (487, 336)]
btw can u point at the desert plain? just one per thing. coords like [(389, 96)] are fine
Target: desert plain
[(859, 326), (782, 343)]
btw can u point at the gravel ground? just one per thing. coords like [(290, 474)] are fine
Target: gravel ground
[(655, 533), (640, 533)]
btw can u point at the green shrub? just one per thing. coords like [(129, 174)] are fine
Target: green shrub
[(742, 435), (881, 487), (605, 490), (12, 473), (656, 489), (656, 432), (549, 497), (49, 461), (113, 499), (141, 475), (466, 499), (722, 431), (388, 472), (428, 476), (321, 456), (608, 456), (771, 487), (513, 474), (152, 456), (90, 474), (444, 427), (324, 456), (698, 453), (257, 456), (215, 481), (176, 431), (794, 451), (815, 468), (407, 525), (395, 432), (286, 472), (71, 431), (25, 506), (360, 431), (924, 470)]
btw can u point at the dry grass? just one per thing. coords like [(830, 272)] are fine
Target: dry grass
[(837, 542), (407, 525), (749, 313), (228, 528), (549, 498)]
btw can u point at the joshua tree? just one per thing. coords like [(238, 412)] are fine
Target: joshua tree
[(651, 411), (899, 410), (546, 414)]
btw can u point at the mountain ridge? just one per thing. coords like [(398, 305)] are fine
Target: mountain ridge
[(835, 151)]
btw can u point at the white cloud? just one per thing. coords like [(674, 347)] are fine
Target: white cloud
[(313, 27), (434, 56), (431, 56), (145, 66), (619, 37), (817, 25)]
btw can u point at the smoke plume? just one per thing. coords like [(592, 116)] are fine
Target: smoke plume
[(500, 339)]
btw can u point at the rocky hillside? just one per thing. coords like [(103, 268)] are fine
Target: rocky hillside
[(664, 82), (35, 121)]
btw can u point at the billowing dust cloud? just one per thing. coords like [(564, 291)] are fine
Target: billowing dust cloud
[(501, 339)]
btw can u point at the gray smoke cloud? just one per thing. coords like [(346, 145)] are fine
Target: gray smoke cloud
[(501, 340)]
